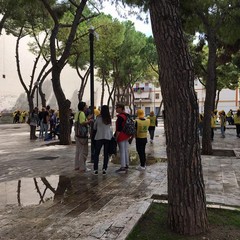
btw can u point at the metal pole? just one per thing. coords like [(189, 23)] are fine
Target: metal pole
[(91, 41)]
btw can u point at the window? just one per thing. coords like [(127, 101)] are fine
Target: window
[(147, 111), (156, 110), (156, 95)]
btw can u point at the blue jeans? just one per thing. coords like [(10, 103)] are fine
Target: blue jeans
[(45, 129), (98, 147), (223, 131)]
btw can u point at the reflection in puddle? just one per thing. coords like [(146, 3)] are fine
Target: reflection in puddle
[(33, 191)]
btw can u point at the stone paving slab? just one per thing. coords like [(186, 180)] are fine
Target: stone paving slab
[(42, 197)]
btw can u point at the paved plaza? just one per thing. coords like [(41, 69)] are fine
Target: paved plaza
[(42, 197)]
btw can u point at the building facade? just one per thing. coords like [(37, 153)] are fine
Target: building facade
[(149, 98)]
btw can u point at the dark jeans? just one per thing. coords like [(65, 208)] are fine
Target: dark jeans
[(140, 146), (151, 132), (238, 129), (98, 147)]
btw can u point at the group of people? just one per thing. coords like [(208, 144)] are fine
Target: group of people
[(20, 116), (102, 126), (48, 121), (223, 118)]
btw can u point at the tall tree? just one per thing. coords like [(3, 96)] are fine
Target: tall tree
[(31, 21), (187, 212), (59, 61), (218, 23)]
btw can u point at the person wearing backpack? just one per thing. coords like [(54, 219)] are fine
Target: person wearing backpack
[(81, 142), (142, 124), (122, 137)]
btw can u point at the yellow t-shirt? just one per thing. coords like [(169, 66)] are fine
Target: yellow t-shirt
[(82, 117), (152, 121), (142, 128)]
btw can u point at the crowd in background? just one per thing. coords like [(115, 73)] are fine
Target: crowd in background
[(221, 119), (100, 122)]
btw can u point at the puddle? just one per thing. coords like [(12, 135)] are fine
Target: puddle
[(223, 152), (33, 191)]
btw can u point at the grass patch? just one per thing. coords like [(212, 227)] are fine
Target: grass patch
[(223, 224)]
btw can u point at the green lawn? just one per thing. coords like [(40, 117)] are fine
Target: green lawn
[(224, 225)]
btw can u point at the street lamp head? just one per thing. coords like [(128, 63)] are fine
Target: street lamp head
[(91, 29)]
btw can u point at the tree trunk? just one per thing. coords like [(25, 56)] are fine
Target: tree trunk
[(59, 62), (64, 105), (30, 102), (187, 212), (210, 94)]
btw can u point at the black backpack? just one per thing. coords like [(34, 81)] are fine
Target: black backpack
[(129, 126)]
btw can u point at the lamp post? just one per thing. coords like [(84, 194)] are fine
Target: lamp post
[(37, 84), (91, 41)]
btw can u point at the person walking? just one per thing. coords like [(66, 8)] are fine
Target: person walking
[(153, 124), (222, 117), (122, 138), (229, 117), (213, 124), (102, 126), (142, 124), (82, 143), (237, 122)]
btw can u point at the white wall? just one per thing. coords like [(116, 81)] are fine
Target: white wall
[(10, 85)]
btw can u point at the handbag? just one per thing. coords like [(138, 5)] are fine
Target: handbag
[(81, 131), (112, 146)]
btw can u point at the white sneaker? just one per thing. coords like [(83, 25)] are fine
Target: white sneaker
[(140, 168), (87, 169)]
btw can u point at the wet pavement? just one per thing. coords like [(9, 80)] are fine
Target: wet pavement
[(42, 197)]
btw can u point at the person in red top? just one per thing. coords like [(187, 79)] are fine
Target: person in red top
[(122, 138)]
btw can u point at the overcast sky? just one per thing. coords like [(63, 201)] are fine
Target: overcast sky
[(10, 83), (139, 25)]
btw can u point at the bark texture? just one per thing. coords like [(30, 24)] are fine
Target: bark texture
[(186, 192)]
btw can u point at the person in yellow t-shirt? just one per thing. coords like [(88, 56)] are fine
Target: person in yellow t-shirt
[(153, 124), (213, 124), (141, 125), (82, 143), (237, 122)]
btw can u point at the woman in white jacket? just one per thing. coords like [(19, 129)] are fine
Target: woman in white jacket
[(102, 126)]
